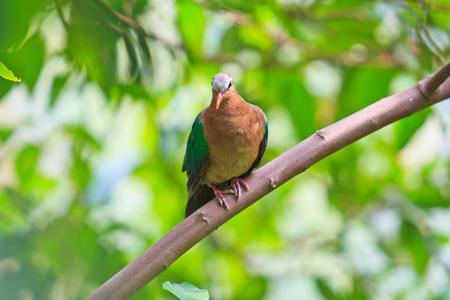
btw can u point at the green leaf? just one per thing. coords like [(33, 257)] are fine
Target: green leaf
[(290, 89), (362, 87), (11, 218), (81, 135), (17, 19), (26, 162), (93, 50), (7, 73), (81, 170), (192, 32), (58, 84), (28, 60), (255, 36), (5, 133), (407, 127), (186, 291), (417, 245)]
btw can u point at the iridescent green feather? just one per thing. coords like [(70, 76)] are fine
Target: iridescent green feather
[(266, 134), (196, 150)]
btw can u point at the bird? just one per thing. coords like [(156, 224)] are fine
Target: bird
[(226, 143)]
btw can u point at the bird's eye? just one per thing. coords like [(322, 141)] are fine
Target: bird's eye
[(229, 85)]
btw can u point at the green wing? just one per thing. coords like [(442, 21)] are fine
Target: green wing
[(262, 149), (196, 157), (266, 135)]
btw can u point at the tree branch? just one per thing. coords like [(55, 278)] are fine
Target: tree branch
[(324, 142)]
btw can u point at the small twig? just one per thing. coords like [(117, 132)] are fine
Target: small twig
[(441, 7), (130, 22), (430, 86), (60, 13), (441, 52)]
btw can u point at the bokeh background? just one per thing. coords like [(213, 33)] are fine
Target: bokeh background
[(92, 142)]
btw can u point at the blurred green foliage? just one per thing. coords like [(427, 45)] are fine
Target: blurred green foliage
[(92, 142)]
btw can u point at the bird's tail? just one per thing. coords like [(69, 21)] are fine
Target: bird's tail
[(202, 195)]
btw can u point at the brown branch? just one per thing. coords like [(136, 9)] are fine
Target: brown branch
[(324, 142)]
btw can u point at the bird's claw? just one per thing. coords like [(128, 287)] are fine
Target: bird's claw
[(222, 201), (236, 186), (220, 197)]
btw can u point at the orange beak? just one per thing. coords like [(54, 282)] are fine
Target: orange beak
[(219, 99)]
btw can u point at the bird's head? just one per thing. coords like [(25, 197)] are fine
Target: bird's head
[(221, 85)]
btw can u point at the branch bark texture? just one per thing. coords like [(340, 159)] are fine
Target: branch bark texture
[(324, 142)]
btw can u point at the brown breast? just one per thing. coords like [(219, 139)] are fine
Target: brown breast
[(234, 133)]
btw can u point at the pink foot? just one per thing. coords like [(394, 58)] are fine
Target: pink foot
[(236, 186), (219, 195)]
